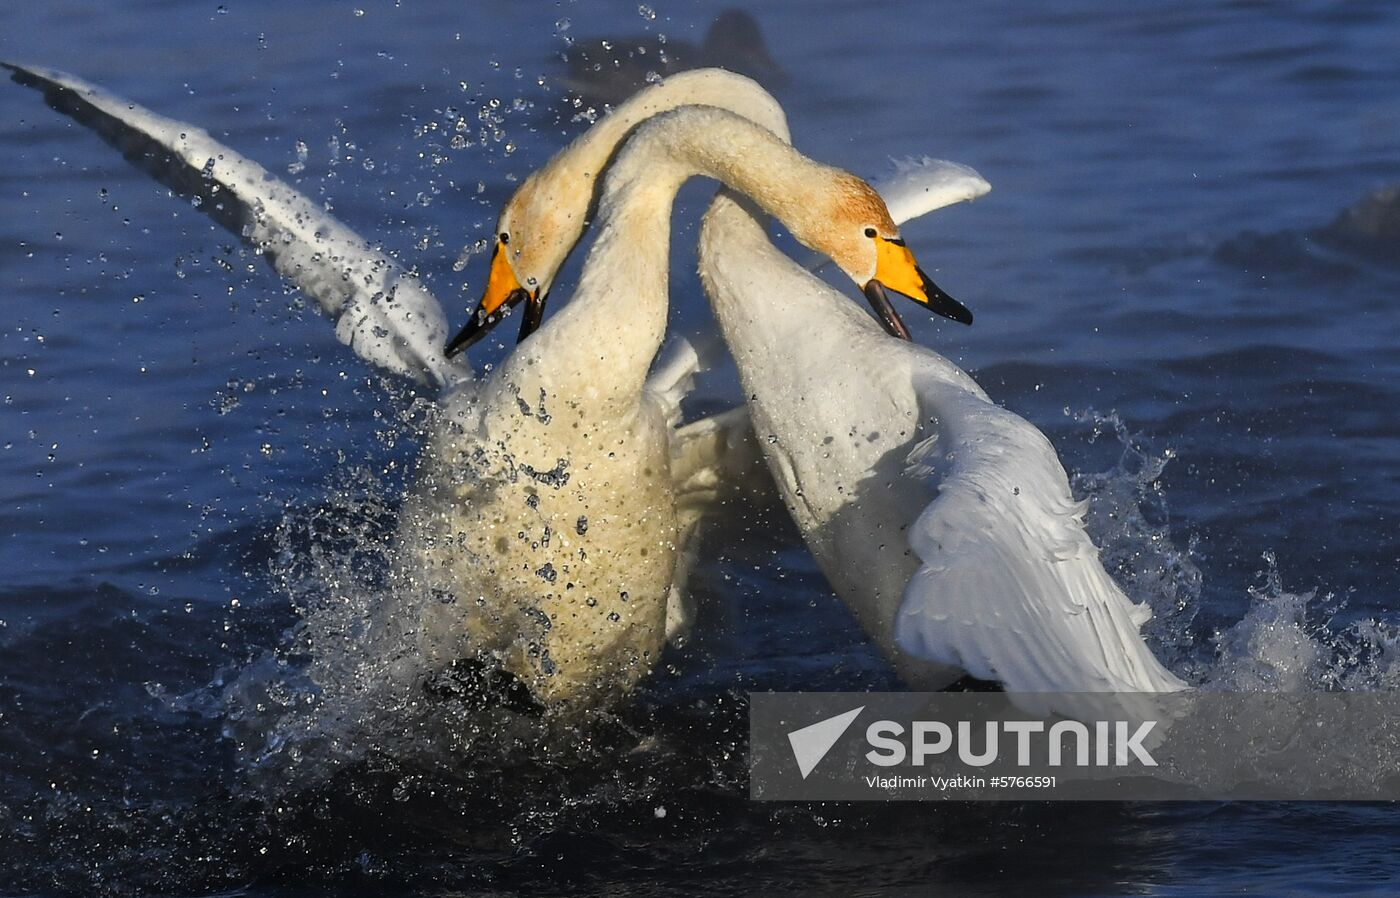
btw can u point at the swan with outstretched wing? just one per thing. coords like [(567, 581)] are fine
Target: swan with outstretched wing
[(381, 311), (543, 523)]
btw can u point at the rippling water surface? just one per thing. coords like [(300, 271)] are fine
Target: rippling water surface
[(196, 480)]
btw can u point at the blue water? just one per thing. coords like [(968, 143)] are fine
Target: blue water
[(1159, 283)]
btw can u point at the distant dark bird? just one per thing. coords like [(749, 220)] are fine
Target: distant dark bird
[(610, 71), (1367, 229), (1374, 219)]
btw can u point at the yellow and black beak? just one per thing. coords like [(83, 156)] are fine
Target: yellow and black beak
[(503, 293), (895, 270)]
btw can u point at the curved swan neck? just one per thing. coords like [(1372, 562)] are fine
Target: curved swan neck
[(555, 204), (716, 143), (591, 152), (617, 317)]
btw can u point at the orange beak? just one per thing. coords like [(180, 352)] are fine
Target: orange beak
[(896, 270), (503, 292)]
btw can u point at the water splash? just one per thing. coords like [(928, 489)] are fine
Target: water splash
[(1128, 519), (1286, 641), (1273, 648)]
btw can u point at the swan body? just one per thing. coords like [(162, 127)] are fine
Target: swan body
[(945, 522)]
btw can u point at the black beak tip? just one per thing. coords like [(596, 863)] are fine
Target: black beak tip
[(955, 311), (534, 314), (942, 304), (480, 325), (465, 338)]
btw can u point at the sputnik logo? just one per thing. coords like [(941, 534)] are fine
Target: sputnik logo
[(811, 743)]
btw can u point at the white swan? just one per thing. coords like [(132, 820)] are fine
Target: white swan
[(386, 316), (945, 522), (559, 564), (578, 385)]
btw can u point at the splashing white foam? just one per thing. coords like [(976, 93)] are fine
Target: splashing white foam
[(1272, 648), (1128, 519), (1286, 641)]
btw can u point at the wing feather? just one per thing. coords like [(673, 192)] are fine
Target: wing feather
[(1011, 587), (920, 186), (381, 311)]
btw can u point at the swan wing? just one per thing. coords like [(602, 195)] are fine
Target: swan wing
[(923, 185), (1010, 586), (381, 311), (714, 460)]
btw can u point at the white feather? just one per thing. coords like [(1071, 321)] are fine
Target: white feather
[(1010, 587), (381, 311), (919, 186)]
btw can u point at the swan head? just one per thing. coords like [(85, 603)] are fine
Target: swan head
[(841, 216), (534, 235), (854, 228)]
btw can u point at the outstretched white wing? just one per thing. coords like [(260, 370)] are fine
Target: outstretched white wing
[(920, 186), (380, 310), (1011, 587)]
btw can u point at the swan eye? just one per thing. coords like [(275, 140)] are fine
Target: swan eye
[(869, 232), (531, 281), (505, 238)]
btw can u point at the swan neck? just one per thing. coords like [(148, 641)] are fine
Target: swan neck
[(591, 152), (715, 143), (617, 317)]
